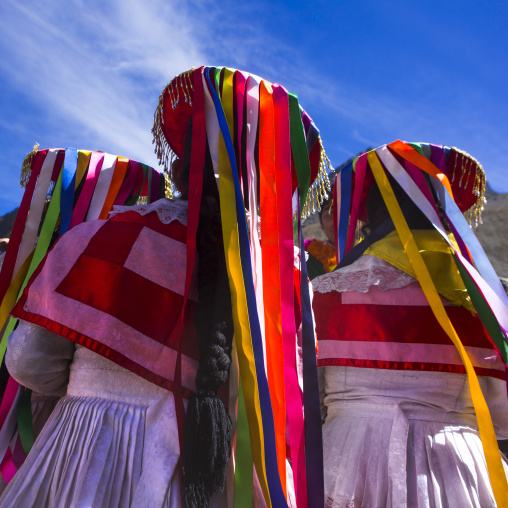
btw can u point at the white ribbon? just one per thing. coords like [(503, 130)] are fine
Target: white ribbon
[(498, 305), (102, 186), (252, 119), (212, 128), (9, 426), (35, 213)]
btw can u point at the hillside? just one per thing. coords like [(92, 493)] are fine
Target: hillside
[(492, 234), (6, 225)]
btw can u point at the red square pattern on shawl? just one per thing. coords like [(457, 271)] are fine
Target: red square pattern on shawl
[(109, 280), (117, 288), (397, 330)]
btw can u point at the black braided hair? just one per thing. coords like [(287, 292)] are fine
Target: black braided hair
[(208, 425)]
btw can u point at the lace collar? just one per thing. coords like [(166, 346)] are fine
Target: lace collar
[(365, 272), (167, 210)]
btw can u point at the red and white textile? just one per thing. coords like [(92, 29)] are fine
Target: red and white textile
[(99, 288), (112, 440), (389, 325), (400, 428)]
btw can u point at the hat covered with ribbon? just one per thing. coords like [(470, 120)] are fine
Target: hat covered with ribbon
[(465, 174), (268, 169), (64, 188), (175, 109), (446, 188)]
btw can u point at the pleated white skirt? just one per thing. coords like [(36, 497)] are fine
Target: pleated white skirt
[(385, 451), (111, 442)]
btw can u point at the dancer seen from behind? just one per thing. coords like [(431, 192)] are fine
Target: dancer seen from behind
[(140, 344), (412, 355)]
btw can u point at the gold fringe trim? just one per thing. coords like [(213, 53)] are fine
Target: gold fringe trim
[(168, 186), (318, 191), (26, 168), (479, 182), (165, 155), (182, 84)]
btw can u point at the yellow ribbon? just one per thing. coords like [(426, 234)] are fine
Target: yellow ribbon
[(437, 256), (485, 427), (238, 297), (10, 300), (83, 160)]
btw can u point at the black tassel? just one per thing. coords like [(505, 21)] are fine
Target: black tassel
[(207, 449), (208, 427)]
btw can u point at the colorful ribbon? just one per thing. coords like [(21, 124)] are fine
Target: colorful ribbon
[(283, 185), (486, 429), (271, 273), (249, 342), (22, 259)]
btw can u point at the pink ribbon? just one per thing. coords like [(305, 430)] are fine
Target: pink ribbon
[(129, 183), (94, 169), (360, 169), (8, 399), (19, 224), (7, 467), (283, 181)]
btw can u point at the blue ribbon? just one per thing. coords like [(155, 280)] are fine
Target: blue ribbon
[(272, 472), (480, 259), (346, 176), (311, 405), (311, 401), (68, 185), (461, 227)]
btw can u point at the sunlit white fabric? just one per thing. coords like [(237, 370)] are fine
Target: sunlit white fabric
[(395, 438), (111, 441), (405, 438)]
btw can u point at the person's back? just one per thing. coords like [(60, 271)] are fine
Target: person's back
[(394, 388), (400, 421), (115, 428), (123, 289)]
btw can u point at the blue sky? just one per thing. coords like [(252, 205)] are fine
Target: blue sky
[(88, 73)]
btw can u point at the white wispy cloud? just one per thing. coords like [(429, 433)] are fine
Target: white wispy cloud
[(91, 72), (95, 69), (98, 66)]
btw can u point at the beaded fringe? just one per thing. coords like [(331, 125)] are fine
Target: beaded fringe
[(479, 182), (26, 168), (318, 192), (165, 154)]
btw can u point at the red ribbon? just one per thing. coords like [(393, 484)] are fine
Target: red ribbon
[(283, 183), (85, 196), (19, 225)]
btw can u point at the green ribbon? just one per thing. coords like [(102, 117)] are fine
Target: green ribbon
[(244, 461), (25, 423), (299, 149), (41, 249), (484, 312)]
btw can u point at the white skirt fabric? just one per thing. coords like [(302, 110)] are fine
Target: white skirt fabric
[(112, 441), (386, 450)]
